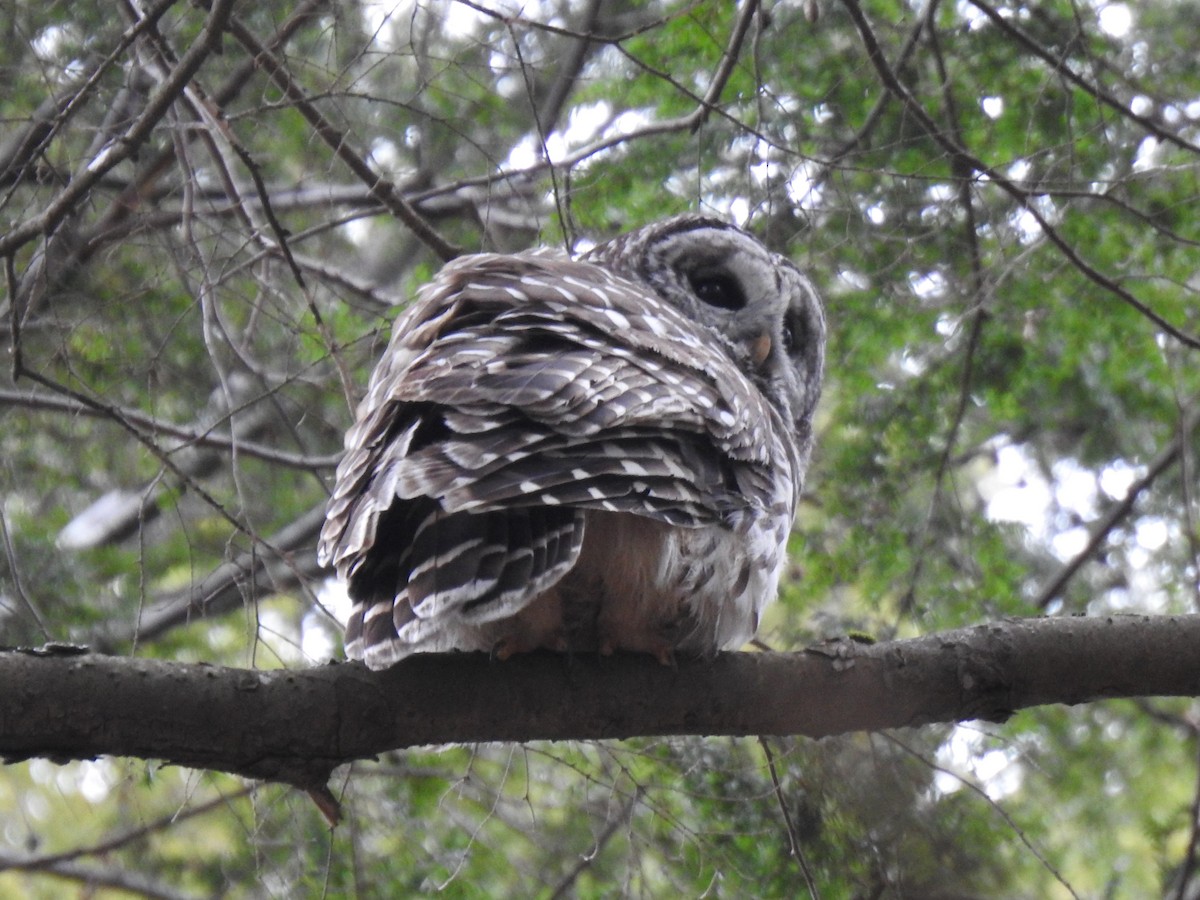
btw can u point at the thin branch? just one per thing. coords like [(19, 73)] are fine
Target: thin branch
[(14, 574), (208, 42), (143, 187), (578, 53), (148, 441), (54, 112), (216, 132), (1101, 529), (561, 198), (111, 877), (281, 244), (1000, 810), (15, 314), (962, 155), (1059, 65), (979, 317), (134, 195), (131, 836), (874, 117), (729, 58), (686, 122), (706, 105), (337, 140), (565, 886), (793, 838), (534, 24), (291, 561), (1184, 886), (192, 435)]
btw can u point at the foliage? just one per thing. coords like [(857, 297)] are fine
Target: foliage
[(997, 201)]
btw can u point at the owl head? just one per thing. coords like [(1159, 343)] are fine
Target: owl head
[(755, 302)]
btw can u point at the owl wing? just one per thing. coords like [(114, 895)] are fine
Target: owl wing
[(518, 392)]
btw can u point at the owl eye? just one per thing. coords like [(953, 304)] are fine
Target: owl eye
[(718, 289), (796, 332)]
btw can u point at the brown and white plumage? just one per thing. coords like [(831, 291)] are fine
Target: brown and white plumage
[(602, 453)]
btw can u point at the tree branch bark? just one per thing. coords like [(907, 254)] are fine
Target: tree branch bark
[(297, 726)]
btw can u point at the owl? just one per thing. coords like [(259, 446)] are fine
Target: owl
[(601, 453)]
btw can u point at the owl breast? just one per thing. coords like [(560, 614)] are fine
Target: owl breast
[(643, 586)]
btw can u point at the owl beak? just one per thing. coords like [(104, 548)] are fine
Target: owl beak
[(760, 348)]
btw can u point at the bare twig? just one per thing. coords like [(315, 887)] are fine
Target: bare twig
[(108, 410), (132, 836), (1000, 810), (793, 838), (979, 317), (686, 122), (962, 155), (291, 560), (1060, 66), (93, 876), (564, 887), (14, 572), (707, 104), (729, 58), (53, 114), (1184, 888), (580, 49), (208, 42), (43, 272), (574, 33), (337, 140), (200, 436), (1101, 529), (15, 314)]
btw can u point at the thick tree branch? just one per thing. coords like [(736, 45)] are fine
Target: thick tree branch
[(296, 726)]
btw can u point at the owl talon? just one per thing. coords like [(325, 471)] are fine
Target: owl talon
[(513, 644), (661, 650)]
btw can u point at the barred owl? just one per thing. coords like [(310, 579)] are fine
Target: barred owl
[(602, 453)]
